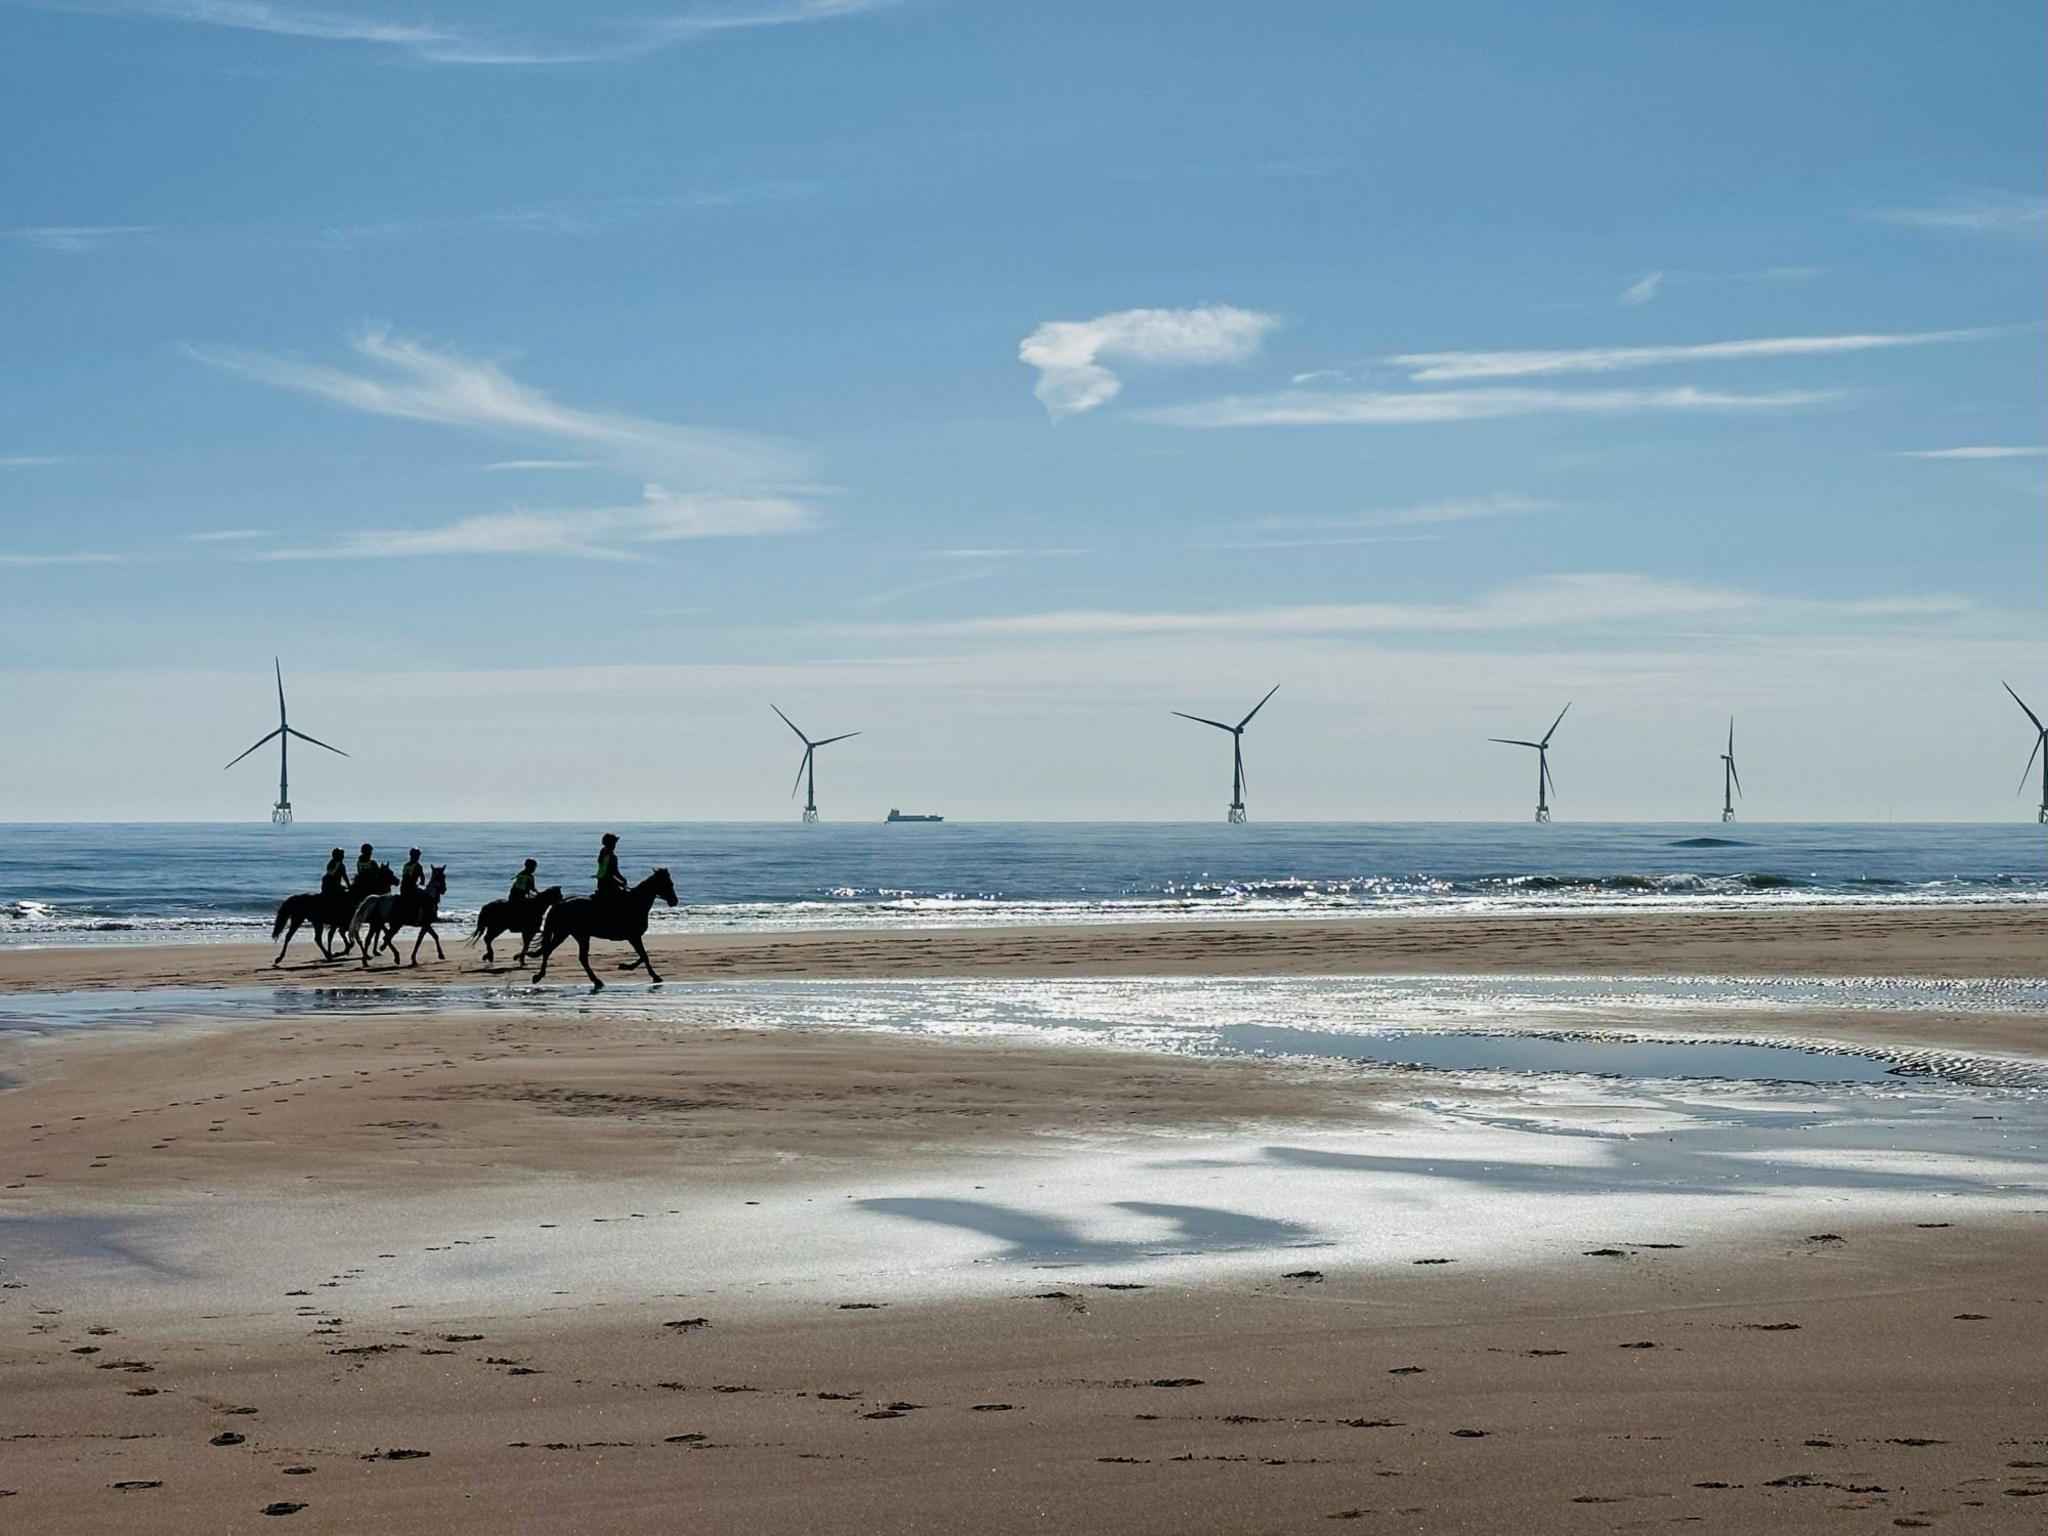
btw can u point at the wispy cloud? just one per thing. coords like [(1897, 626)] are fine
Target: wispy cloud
[(601, 533), (1465, 509), (31, 460), (1370, 408), (419, 382), (1069, 354), (77, 237), (516, 464), (572, 218), (578, 39), (935, 584), (1449, 367), (2013, 451), (1559, 602), (1977, 213), (227, 536), (1642, 290)]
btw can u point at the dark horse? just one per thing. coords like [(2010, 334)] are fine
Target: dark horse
[(621, 917), (522, 917), (385, 915), (327, 913)]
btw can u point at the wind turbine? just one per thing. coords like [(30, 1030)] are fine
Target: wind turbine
[(807, 770), (1236, 816), (2040, 741), (1731, 781), (281, 813), (1544, 782)]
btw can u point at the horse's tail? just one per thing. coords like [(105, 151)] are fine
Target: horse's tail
[(477, 932), (355, 920), (283, 911)]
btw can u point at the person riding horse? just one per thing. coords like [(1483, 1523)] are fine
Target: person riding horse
[(366, 866), (334, 882), (524, 885), (610, 883), (414, 875)]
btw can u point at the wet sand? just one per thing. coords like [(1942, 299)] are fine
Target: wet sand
[(1822, 1367), (1936, 942)]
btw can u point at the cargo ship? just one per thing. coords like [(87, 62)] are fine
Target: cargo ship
[(895, 815)]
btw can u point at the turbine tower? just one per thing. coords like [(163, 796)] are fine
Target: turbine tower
[(807, 770), (1544, 783), (1731, 781), (281, 813), (1236, 816), (2040, 742)]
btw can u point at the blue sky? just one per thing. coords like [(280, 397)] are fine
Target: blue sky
[(552, 395)]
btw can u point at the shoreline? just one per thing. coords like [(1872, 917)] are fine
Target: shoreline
[(2004, 942)]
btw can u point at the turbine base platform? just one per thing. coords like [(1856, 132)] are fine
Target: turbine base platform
[(1727, 815), (1236, 816), (281, 814), (2044, 816), (810, 815), (1543, 813)]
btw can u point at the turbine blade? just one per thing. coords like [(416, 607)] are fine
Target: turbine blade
[(279, 667), (1555, 724), (1731, 736), (800, 767), (1510, 741), (263, 742), (1736, 775), (1548, 777), (1203, 720), (848, 736), (292, 730), (800, 736), (2026, 773), (2023, 705), (1247, 720)]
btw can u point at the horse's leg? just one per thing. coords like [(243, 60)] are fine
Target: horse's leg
[(439, 954), (583, 954), (287, 944), (548, 944), (643, 962), (391, 942)]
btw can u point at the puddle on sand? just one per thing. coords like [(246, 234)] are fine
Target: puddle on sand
[(1590, 1056)]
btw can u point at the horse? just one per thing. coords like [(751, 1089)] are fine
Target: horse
[(523, 917), (327, 912), (619, 917), (402, 909)]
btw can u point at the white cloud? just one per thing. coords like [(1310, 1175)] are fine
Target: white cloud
[(1069, 354), (227, 536), (31, 461), (422, 383), (1447, 367), (1642, 290), (2012, 452), (935, 584), (504, 464), (1541, 603), (603, 39), (1977, 213), (601, 533), (77, 237), (1454, 510), (1366, 408)]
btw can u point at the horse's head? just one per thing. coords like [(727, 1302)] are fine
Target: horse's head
[(550, 896), (663, 887), (437, 882)]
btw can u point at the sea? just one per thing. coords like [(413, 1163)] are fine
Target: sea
[(185, 882)]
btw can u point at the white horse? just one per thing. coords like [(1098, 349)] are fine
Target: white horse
[(385, 915)]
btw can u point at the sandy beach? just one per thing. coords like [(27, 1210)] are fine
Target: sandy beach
[(540, 1266)]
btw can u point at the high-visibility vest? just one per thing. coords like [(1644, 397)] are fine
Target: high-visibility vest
[(607, 864)]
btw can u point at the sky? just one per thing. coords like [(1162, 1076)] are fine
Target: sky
[(553, 388)]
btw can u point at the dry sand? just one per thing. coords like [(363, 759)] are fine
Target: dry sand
[(1642, 1388)]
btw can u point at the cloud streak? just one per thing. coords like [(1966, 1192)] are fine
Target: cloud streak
[(1070, 354), (603, 533), (606, 40), (1453, 367), (414, 381), (2022, 214), (77, 237), (1584, 600), (2015, 451), (1372, 408)]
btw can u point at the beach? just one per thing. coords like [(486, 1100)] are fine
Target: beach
[(456, 1254)]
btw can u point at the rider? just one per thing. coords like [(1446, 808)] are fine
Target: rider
[(366, 863), (335, 881), (609, 881), (414, 875), (523, 883)]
